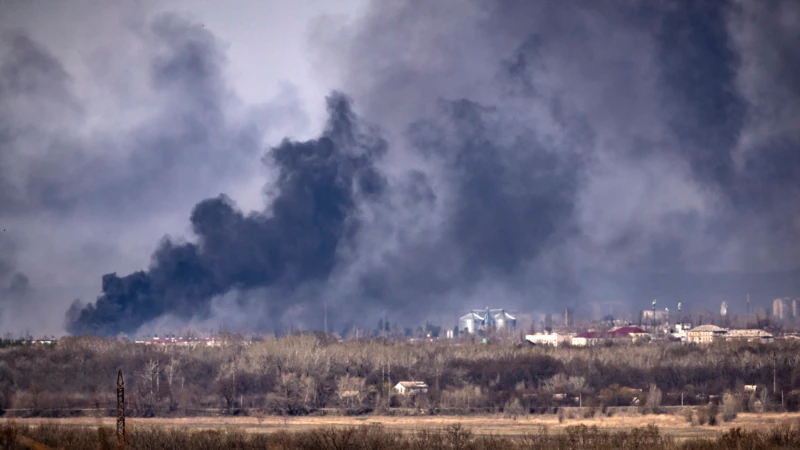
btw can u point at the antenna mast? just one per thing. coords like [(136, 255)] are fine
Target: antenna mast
[(325, 311)]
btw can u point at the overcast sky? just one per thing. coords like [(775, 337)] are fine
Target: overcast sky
[(514, 154)]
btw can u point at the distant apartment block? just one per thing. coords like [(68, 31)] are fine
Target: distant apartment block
[(650, 317), (780, 308)]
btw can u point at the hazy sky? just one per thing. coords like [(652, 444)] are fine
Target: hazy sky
[(101, 53), (516, 154)]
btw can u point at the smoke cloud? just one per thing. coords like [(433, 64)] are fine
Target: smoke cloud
[(296, 241), (517, 154)]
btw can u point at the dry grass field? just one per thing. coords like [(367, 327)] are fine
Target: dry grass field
[(672, 425)]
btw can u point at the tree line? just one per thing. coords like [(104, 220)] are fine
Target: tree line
[(307, 373)]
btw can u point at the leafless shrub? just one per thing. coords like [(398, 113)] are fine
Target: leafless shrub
[(731, 406)]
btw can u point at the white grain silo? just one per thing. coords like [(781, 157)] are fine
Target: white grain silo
[(470, 323), (504, 320)]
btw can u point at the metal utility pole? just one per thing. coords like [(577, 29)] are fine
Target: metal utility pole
[(774, 375), (120, 411), (325, 313)]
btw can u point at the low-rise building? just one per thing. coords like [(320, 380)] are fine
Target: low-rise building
[(589, 338), (542, 339), (748, 335), (553, 339), (411, 387), (631, 333), (705, 334), (619, 335)]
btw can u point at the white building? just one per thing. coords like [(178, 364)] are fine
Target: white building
[(680, 332), (705, 334), (553, 339), (411, 387)]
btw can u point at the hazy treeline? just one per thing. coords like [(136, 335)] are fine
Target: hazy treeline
[(302, 374), (371, 437)]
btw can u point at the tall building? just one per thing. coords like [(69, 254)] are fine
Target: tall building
[(795, 302), (650, 317), (780, 308), (568, 319)]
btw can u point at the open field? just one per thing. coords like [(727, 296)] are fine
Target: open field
[(672, 425)]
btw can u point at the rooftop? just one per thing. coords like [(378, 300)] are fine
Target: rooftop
[(707, 329), (625, 331), (749, 333), (413, 384)]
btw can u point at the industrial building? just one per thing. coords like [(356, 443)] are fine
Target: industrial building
[(484, 320), (470, 323)]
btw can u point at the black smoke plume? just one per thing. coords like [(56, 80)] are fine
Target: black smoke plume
[(297, 239)]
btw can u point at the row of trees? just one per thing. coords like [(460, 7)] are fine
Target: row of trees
[(298, 374)]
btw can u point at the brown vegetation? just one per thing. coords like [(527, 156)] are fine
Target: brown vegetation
[(13, 436), (314, 374)]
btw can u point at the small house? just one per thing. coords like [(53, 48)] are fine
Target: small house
[(411, 387)]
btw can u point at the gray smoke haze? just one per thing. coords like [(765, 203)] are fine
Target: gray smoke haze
[(92, 178), (583, 152), (533, 155)]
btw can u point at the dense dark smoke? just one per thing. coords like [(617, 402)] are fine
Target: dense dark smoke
[(297, 240)]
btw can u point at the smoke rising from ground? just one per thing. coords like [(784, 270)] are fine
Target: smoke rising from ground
[(517, 154), (296, 241)]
